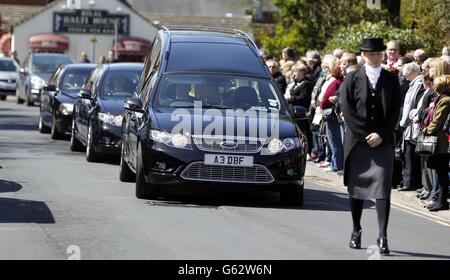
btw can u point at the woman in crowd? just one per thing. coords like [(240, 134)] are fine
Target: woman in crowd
[(437, 67), (411, 169), (438, 128), (328, 62), (332, 120), (348, 63), (427, 173), (300, 95)]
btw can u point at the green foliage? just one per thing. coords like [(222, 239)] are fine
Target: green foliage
[(433, 23), (407, 13), (349, 38), (326, 24), (306, 24)]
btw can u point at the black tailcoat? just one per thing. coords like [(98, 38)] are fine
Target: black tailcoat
[(359, 111)]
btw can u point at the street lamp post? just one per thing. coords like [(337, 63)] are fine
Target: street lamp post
[(93, 41), (116, 22)]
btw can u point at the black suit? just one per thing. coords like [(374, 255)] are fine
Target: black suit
[(358, 111), (301, 93), (301, 96), (280, 80), (315, 74)]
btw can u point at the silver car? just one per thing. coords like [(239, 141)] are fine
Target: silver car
[(34, 74), (9, 73)]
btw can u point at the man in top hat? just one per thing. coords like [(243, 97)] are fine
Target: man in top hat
[(371, 106)]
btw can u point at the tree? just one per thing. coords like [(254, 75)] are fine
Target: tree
[(393, 7), (433, 23), (350, 37), (306, 24)]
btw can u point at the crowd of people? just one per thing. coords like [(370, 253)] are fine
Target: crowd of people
[(101, 60), (314, 82)]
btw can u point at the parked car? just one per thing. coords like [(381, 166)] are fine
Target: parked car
[(9, 70), (34, 74), (223, 71), (58, 96), (98, 110)]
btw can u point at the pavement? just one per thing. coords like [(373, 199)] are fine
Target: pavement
[(405, 200)]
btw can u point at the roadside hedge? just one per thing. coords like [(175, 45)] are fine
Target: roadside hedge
[(350, 37)]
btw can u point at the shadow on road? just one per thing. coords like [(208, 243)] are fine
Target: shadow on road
[(8, 109), (20, 210), (14, 116), (19, 127), (111, 160), (419, 255), (214, 197), (7, 186)]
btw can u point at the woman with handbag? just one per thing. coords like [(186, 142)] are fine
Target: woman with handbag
[(437, 127), (433, 68)]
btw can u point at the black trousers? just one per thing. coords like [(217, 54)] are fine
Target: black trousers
[(397, 175), (411, 168)]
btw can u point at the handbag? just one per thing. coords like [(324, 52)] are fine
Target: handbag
[(426, 145), (328, 114)]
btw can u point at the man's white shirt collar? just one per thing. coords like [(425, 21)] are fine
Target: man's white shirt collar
[(373, 73)]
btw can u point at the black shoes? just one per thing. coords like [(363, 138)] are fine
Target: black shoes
[(383, 246), (355, 243), (355, 240)]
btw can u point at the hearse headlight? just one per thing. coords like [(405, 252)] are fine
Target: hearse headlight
[(66, 109), (289, 143), (178, 140), (276, 145), (110, 118)]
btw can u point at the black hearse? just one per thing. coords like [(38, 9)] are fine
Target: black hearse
[(58, 96), (98, 110), (208, 113)]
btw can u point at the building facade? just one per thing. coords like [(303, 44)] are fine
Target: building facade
[(90, 26)]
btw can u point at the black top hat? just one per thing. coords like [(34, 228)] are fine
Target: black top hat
[(373, 45)]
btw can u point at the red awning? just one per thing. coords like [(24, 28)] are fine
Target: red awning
[(48, 43), (5, 43), (133, 46)]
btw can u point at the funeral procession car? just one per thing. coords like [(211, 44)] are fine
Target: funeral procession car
[(194, 80), (58, 96), (35, 72), (9, 70), (98, 109)]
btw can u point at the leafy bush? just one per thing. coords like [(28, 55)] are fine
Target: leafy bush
[(433, 24), (305, 24), (349, 38)]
